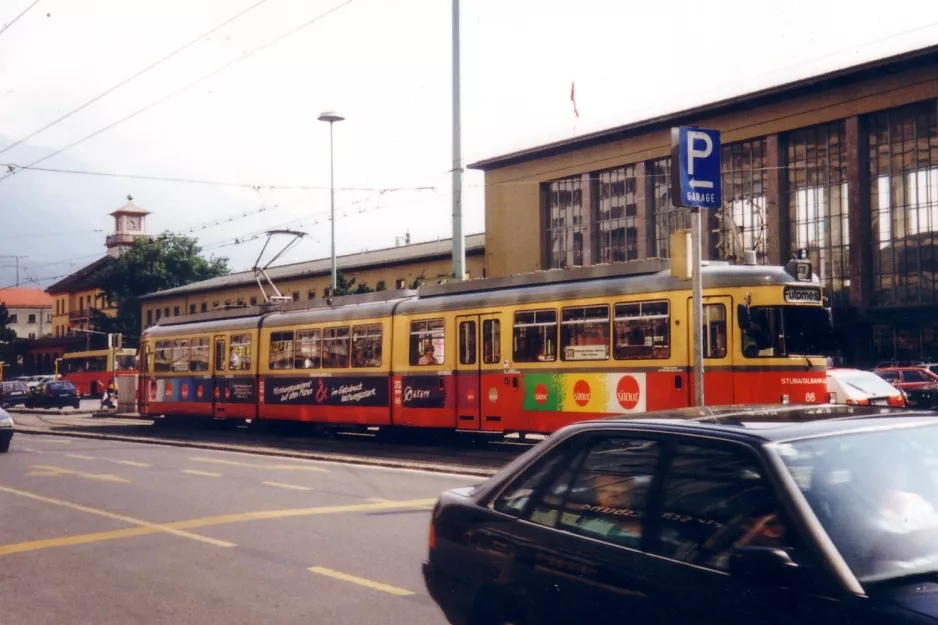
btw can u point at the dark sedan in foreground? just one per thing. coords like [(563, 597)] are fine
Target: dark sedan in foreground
[(776, 514)]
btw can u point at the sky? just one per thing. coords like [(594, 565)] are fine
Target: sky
[(232, 119)]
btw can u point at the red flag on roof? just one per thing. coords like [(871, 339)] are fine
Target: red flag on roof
[(573, 98)]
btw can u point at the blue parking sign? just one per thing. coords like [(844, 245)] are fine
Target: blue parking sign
[(696, 180)]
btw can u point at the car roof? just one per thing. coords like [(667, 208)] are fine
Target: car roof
[(764, 422)]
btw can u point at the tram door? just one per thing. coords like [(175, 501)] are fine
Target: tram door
[(221, 360), (717, 350), (468, 374), (143, 386)]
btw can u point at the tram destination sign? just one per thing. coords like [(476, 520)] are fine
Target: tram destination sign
[(802, 294)]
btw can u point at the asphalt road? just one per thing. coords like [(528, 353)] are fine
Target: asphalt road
[(107, 532)]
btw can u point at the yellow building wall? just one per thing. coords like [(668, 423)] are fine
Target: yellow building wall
[(63, 304), (515, 231), (174, 306)]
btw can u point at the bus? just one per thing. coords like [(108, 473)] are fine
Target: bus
[(528, 354), (92, 371)]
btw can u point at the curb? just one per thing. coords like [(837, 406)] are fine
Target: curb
[(16, 411), (282, 453)]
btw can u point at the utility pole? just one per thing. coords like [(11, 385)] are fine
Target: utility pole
[(459, 243), (17, 260)]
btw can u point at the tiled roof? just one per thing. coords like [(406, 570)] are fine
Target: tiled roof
[(25, 298), (350, 262)]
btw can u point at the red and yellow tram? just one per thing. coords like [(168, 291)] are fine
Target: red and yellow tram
[(528, 353)]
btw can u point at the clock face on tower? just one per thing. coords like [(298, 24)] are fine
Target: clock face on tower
[(133, 223)]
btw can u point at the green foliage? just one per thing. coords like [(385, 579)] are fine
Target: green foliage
[(347, 286), (148, 266), (6, 332)]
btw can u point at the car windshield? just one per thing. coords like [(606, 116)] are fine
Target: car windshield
[(775, 331), (876, 495), (866, 382)]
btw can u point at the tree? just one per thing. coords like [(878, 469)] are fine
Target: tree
[(347, 286), (148, 266), (6, 332)]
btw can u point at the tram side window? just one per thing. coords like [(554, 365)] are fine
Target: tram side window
[(467, 342), (335, 348), (307, 349), (281, 350), (714, 330), (162, 358), (219, 354), (584, 333), (535, 336), (427, 342), (643, 330), (180, 354), (239, 353), (491, 341), (366, 345), (198, 359)]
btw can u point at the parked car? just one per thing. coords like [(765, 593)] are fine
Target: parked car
[(6, 430), (13, 393), (862, 388), (730, 515), (54, 395), (892, 364), (919, 384)]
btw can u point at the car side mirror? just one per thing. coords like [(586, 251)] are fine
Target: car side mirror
[(762, 565), (742, 316)]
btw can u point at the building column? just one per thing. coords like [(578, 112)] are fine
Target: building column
[(858, 209), (587, 222), (644, 214), (777, 231)]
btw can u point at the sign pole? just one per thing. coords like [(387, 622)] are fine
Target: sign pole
[(697, 317), (696, 184)]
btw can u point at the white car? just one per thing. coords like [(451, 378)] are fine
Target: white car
[(6, 430), (862, 388)]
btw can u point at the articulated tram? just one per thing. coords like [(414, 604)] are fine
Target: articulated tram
[(529, 353)]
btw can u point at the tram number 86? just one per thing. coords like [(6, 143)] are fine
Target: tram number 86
[(809, 397)]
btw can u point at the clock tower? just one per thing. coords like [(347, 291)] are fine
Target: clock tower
[(130, 224)]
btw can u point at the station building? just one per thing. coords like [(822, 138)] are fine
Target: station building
[(843, 164)]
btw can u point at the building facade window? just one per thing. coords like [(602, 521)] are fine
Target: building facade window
[(31, 318), (191, 309), (903, 161), (566, 231), (741, 222), (311, 294), (204, 307), (667, 218), (617, 219), (14, 318), (817, 204)]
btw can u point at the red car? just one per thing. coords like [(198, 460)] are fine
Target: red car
[(919, 384)]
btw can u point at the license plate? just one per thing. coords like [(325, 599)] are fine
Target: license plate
[(879, 402)]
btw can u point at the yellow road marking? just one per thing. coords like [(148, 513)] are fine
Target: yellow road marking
[(45, 470), (276, 467), (150, 528), (290, 486), (203, 473), (80, 457), (361, 581), (131, 463), (50, 439), (178, 527)]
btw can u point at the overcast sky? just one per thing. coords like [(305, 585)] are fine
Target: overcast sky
[(386, 66)]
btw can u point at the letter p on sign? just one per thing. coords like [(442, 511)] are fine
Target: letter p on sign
[(693, 138)]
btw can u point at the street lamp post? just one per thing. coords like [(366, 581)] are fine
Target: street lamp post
[(331, 117)]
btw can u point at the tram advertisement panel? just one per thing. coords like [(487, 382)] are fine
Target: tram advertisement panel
[(338, 391), (181, 389), (585, 392)]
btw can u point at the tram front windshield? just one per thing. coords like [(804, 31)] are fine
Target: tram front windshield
[(779, 331)]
